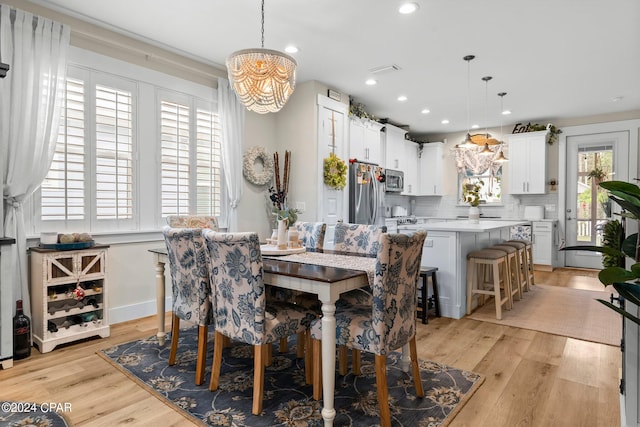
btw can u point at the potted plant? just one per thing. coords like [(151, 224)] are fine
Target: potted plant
[(471, 196), (597, 175)]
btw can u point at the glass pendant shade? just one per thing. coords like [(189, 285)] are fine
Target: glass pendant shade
[(263, 79), (501, 158), (486, 151)]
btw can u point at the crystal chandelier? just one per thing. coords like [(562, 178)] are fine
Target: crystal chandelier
[(262, 78)]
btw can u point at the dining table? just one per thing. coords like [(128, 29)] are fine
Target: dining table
[(326, 274)]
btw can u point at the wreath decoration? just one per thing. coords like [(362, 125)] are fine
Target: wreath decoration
[(249, 162), (335, 172)]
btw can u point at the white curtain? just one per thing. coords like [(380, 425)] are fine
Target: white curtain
[(232, 130), (31, 96)]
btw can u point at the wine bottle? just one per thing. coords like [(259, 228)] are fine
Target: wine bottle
[(21, 334)]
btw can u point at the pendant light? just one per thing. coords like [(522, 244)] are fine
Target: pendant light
[(468, 142), (486, 151), (262, 78), (501, 158)]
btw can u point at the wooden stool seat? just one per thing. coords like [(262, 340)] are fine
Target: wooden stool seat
[(477, 264), (423, 303)]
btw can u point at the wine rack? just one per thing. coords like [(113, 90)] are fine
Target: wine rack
[(68, 295)]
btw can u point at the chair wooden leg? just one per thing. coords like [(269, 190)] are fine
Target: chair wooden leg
[(383, 390), (268, 355), (308, 358), (201, 359), (317, 369), (258, 377), (218, 345), (356, 364), (300, 346), (284, 345), (342, 359), (175, 335), (417, 379)]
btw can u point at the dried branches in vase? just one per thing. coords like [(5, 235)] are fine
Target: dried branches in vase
[(278, 195)]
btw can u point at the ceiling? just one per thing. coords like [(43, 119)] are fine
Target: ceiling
[(556, 59)]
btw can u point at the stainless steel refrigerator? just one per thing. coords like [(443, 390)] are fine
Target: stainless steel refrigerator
[(366, 193)]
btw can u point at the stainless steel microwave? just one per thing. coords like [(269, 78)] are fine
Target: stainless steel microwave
[(394, 181)]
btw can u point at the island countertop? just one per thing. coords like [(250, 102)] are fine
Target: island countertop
[(469, 227)]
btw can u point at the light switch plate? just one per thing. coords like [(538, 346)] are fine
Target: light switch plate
[(301, 206)]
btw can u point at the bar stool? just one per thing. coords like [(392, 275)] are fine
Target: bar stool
[(423, 303), (522, 262), (513, 264), (529, 260), (477, 262)]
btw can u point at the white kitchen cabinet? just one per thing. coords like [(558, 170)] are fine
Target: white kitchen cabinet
[(68, 295), (410, 170), (430, 169), (394, 148), (365, 140), (528, 162), (544, 244)]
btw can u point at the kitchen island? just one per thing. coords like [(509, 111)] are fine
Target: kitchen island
[(446, 247)]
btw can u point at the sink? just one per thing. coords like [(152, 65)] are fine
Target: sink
[(481, 217)]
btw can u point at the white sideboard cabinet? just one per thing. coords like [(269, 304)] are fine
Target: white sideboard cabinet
[(68, 295)]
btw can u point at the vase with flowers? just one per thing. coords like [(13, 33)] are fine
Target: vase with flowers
[(471, 196)]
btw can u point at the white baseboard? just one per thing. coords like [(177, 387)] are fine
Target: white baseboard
[(136, 311)]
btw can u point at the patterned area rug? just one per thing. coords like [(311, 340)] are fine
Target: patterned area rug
[(23, 414), (288, 400)]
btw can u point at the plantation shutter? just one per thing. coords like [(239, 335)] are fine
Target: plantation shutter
[(208, 163), (63, 190), (114, 154), (174, 138)]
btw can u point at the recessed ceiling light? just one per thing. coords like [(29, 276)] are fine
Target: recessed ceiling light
[(408, 8), (506, 112), (402, 98), (291, 49), (445, 122), (371, 82), (475, 126), (617, 99), (425, 111)]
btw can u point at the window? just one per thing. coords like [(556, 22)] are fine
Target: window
[(190, 135), (490, 185), (131, 149), (90, 182)]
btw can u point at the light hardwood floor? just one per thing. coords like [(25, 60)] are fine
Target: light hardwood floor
[(532, 378)]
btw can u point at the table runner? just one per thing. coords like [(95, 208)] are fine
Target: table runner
[(365, 264)]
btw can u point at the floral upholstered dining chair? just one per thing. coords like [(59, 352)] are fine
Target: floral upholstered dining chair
[(377, 328), (191, 289), (192, 221), (311, 234), (241, 308), (358, 238)]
